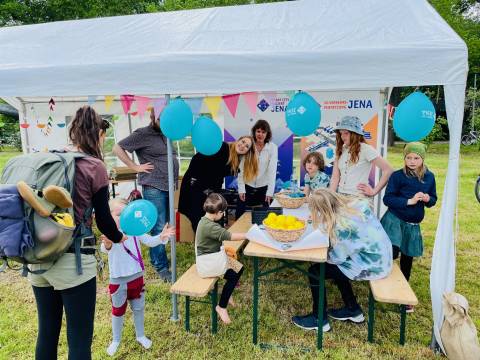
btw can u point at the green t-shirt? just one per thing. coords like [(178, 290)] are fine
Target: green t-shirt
[(209, 236)]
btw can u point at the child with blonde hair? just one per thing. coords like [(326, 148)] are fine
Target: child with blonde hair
[(211, 257), (359, 250), (409, 191), (126, 270)]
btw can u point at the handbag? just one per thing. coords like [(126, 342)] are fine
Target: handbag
[(211, 265), (458, 333)]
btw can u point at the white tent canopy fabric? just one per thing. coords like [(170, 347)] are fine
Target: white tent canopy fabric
[(307, 44), (310, 44)]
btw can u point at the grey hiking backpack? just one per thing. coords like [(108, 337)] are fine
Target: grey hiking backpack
[(39, 170)]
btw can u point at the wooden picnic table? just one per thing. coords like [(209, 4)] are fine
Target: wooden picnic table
[(289, 259)]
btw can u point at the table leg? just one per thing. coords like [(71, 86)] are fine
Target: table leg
[(371, 315), (255, 300), (321, 305), (187, 313), (403, 319), (214, 301), (113, 190)]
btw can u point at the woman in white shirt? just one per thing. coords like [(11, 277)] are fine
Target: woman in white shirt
[(260, 190), (354, 160)]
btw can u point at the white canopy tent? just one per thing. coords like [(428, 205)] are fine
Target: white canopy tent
[(307, 44)]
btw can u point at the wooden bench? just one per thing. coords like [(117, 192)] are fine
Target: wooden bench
[(190, 284), (394, 289)]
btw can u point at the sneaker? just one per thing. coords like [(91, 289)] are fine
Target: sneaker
[(353, 314), (409, 309), (310, 322), (165, 275)]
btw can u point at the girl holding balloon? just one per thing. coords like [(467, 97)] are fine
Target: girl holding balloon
[(354, 160), (126, 270), (206, 173), (150, 145)]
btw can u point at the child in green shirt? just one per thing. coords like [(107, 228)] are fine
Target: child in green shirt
[(211, 258)]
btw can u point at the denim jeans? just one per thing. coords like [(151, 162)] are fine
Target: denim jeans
[(158, 254)]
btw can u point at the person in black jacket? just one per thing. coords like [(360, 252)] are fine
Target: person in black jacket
[(205, 175)]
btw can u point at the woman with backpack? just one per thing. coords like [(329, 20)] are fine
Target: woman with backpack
[(61, 286)]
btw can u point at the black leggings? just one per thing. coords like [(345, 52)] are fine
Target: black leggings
[(342, 282), (253, 196), (79, 304), (405, 262), (232, 279)]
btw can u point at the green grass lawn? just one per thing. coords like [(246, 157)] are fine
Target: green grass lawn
[(278, 302)]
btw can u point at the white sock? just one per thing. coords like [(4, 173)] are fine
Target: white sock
[(112, 349), (145, 342)]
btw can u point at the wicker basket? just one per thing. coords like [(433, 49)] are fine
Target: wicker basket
[(285, 235), (288, 202)]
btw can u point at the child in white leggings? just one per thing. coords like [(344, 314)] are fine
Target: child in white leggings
[(126, 278)]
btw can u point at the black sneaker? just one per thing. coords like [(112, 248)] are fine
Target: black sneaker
[(165, 275), (353, 314), (310, 322)]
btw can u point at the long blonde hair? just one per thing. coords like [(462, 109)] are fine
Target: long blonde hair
[(250, 166), (327, 208), (354, 147), (419, 173)]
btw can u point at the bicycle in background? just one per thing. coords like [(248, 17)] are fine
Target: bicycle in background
[(471, 138)]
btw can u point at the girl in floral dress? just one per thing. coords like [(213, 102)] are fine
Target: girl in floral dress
[(359, 250)]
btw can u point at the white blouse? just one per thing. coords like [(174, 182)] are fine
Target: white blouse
[(353, 174), (267, 170)]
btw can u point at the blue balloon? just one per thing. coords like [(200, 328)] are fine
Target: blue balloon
[(206, 136), (176, 120), (138, 217), (303, 114), (414, 118)]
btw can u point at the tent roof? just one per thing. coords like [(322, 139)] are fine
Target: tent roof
[(306, 44)]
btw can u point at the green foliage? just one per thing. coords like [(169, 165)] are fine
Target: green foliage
[(439, 131), (17, 12), (467, 29), (9, 134)]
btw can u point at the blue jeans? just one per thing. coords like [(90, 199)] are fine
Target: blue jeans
[(158, 254)]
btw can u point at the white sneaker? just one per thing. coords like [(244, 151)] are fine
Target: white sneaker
[(113, 347), (145, 342)]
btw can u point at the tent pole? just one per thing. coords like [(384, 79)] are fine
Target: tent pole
[(171, 207), (384, 140), (26, 149)]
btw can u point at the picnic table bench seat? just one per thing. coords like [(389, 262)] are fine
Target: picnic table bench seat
[(394, 289)]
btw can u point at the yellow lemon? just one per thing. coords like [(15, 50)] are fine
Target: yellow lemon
[(298, 224), (272, 215), (290, 220)]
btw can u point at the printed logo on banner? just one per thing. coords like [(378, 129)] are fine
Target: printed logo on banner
[(263, 105), (347, 104), (281, 104), (360, 104)]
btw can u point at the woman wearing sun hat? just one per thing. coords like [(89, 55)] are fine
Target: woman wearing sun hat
[(354, 159), (351, 169)]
